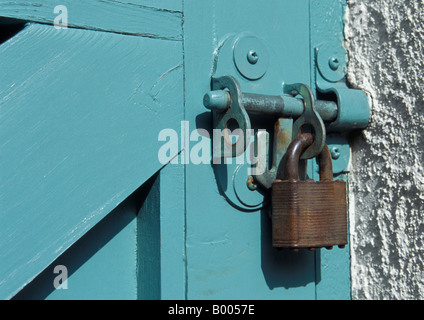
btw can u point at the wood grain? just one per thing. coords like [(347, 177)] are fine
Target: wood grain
[(80, 114), (155, 19)]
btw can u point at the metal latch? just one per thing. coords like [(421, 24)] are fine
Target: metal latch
[(230, 104), (243, 61)]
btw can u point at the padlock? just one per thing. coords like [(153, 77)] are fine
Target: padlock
[(308, 214)]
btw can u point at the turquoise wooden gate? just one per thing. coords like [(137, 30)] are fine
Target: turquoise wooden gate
[(86, 87)]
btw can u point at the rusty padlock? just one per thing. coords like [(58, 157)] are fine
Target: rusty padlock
[(308, 214)]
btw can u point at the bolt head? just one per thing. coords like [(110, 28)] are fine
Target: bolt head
[(251, 184), (334, 63), (252, 57), (335, 153)]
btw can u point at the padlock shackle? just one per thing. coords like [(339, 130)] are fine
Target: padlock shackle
[(289, 167), (325, 165)]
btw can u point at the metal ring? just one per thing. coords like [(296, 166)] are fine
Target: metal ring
[(310, 116)]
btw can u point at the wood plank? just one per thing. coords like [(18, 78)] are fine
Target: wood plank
[(333, 267), (100, 266), (172, 5), (130, 254), (80, 114), (155, 19), (229, 252), (161, 238)]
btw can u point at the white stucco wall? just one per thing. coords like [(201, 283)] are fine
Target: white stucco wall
[(385, 40)]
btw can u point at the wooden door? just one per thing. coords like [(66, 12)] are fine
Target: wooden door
[(82, 108)]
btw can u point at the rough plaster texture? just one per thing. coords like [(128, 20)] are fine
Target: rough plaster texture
[(385, 40)]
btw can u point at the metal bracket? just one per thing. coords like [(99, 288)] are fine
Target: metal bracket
[(354, 112), (242, 61), (235, 112), (309, 116)]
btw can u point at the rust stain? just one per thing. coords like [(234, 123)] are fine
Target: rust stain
[(283, 138)]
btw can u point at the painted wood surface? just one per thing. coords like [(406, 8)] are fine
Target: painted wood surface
[(229, 252), (149, 18), (136, 252), (333, 266), (99, 266), (161, 238), (80, 113)]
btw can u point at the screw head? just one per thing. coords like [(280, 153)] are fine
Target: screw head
[(251, 184), (335, 153), (252, 57), (334, 63)]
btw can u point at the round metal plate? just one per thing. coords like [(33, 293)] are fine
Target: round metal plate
[(251, 57), (332, 62), (252, 199)]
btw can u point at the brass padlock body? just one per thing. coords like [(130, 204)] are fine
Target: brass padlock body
[(309, 214)]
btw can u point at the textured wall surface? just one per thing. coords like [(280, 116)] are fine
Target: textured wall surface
[(385, 39)]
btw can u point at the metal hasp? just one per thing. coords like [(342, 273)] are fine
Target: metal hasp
[(308, 214), (237, 113), (305, 110), (248, 84), (286, 106)]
